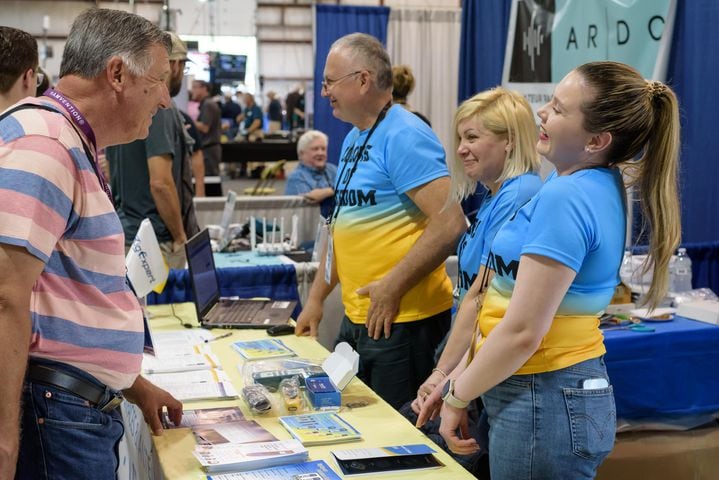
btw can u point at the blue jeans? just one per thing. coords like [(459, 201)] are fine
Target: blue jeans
[(63, 437), (395, 367), (546, 426)]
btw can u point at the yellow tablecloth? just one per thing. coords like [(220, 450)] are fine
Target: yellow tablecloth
[(379, 423)]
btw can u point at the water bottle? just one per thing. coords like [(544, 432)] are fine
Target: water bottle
[(681, 278), (626, 270)]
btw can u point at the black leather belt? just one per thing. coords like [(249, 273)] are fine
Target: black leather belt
[(89, 391)]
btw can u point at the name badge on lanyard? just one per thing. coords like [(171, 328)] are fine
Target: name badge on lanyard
[(329, 258)]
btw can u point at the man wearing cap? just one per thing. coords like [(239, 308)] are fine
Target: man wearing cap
[(152, 178)]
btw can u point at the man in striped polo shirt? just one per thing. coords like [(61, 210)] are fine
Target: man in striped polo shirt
[(72, 328)]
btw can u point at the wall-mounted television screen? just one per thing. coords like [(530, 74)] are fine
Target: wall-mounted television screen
[(228, 67)]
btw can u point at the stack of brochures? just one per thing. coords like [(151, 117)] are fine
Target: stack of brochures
[(228, 442), (197, 359), (206, 416), (320, 428), (179, 342), (213, 426), (227, 457), (317, 470), (243, 431), (195, 385), (262, 349)]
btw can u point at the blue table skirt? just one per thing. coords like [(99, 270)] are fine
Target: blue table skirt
[(278, 282), (673, 371)]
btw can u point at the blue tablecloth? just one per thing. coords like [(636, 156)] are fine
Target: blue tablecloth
[(671, 372)]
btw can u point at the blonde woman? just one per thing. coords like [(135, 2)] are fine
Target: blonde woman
[(495, 137), (539, 364)]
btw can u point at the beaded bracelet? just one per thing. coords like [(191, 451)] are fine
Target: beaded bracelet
[(440, 371)]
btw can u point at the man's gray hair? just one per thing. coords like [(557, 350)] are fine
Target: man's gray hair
[(308, 137), (370, 54), (99, 34)]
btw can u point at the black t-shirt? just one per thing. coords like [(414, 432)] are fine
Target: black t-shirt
[(130, 176), (274, 111)]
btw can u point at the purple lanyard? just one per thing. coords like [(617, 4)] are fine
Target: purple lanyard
[(79, 120)]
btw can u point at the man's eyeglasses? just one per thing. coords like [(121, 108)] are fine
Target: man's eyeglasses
[(327, 83), (40, 77)]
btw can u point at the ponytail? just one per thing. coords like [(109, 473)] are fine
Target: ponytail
[(657, 182), (643, 118)]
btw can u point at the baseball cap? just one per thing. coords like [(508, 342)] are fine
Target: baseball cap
[(179, 49)]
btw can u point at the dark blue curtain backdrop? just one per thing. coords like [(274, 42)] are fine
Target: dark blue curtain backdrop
[(482, 42), (481, 57), (693, 69), (331, 23)]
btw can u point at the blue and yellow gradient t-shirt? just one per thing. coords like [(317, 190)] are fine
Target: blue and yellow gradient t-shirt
[(473, 249), (377, 222), (577, 220)]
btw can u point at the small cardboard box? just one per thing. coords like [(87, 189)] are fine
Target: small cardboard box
[(701, 310), (322, 393), (341, 367)]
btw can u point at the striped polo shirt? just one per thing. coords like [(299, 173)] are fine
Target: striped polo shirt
[(52, 204)]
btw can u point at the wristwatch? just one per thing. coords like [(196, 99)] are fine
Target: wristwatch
[(449, 398)]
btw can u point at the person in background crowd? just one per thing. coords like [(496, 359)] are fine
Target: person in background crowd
[(229, 111), (538, 361), (274, 112), (295, 103), (72, 329), (314, 177), (495, 137), (208, 124), (391, 227), (198, 163), (402, 86), (19, 70), (152, 178), (250, 119)]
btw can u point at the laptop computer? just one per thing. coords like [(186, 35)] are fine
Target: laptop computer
[(216, 312)]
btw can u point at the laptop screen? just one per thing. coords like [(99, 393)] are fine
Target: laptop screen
[(202, 272)]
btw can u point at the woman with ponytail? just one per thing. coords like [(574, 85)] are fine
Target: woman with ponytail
[(538, 360)]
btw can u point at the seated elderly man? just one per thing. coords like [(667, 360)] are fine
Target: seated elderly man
[(314, 177)]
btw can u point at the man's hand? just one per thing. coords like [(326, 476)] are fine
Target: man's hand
[(383, 308), (454, 419), (151, 400), (309, 320)]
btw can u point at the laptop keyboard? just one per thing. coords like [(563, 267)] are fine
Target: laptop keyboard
[(241, 312)]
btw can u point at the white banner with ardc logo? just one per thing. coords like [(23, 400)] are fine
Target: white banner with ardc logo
[(549, 38)]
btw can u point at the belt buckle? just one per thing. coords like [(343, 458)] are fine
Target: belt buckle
[(112, 404)]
